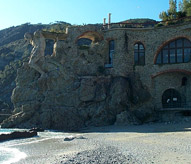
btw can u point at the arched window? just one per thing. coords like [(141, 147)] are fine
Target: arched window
[(84, 42), (177, 51), (139, 54)]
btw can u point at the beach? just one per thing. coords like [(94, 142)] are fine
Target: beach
[(142, 144)]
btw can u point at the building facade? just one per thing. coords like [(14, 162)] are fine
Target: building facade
[(161, 56)]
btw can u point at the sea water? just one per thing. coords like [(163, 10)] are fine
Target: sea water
[(9, 153)]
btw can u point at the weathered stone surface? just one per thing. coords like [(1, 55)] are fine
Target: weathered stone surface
[(127, 118), (119, 100), (87, 90), (91, 101), (145, 114)]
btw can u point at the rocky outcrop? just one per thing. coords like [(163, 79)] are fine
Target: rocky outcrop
[(17, 135), (13, 51), (83, 101), (74, 93)]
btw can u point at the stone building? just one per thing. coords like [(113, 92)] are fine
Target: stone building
[(161, 57), (104, 75)]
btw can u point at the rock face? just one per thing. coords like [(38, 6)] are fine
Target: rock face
[(76, 91), (13, 51), (69, 104)]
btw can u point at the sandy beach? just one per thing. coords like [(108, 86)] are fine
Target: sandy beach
[(159, 143)]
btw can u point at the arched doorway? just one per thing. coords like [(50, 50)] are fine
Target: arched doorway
[(171, 98)]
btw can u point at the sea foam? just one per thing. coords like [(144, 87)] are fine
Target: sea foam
[(10, 155)]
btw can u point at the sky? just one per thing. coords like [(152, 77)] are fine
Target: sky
[(17, 12)]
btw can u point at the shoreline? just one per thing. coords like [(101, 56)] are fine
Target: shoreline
[(148, 143)]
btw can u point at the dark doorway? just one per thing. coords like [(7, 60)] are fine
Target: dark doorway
[(184, 81), (171, 99)]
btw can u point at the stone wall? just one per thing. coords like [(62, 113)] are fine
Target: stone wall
[(152, 39)]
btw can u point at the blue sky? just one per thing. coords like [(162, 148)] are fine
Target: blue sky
[(16, 12)]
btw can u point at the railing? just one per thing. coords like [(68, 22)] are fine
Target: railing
[(173, 106), (147, 24)]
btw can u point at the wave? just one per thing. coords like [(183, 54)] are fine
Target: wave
[(10, 155), (9, 152)]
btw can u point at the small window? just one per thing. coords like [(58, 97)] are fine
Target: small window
[(111, 52), (49, 47), (139, 54), (184, 81), (84, 43)]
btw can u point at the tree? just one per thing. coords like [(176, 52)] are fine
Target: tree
[(171, 12), (185, 7), (164, 16)]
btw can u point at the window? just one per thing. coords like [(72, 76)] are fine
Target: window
[(184, 81), (111, 52), (49, 47), (139, 54), (177, 51), (84, 41)]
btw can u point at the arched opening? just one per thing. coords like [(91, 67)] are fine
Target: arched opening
[(91, 35), (84, 41), (171, 98)]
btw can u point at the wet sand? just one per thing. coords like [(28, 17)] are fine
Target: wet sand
[(145, 144)]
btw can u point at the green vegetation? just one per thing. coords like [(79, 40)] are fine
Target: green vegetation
[(141, 20), (172, 13), (58, 27), (138, 23)]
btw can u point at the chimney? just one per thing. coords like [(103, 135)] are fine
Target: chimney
[(104, 21), (109, 20)]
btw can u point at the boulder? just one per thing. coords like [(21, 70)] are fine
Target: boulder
[(36, 130), (69, 138), (17, 135)]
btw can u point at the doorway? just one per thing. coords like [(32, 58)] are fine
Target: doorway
[(171, 98)]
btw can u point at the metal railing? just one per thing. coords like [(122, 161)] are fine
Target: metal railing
[(173, 105)]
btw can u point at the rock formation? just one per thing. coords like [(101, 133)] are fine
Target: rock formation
[(76, 92), (17, 135)]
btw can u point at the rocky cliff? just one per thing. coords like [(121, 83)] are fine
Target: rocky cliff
[(76, 92), (13, 52)]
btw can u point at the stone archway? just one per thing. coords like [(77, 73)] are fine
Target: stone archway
[(171, 98)]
